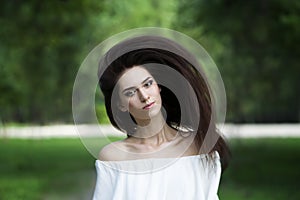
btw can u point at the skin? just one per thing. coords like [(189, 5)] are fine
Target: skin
[(140, 95)]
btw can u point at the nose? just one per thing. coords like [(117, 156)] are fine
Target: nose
[(143, 95)]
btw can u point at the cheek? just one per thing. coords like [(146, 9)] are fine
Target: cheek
[(124, 102), (132, 104)]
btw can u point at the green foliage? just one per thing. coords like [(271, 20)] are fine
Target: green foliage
[(255, 45), (118, 16), (41, 46), (44, 43), (101, 114)]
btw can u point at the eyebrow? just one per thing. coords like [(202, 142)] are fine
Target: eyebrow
[(136, 87)]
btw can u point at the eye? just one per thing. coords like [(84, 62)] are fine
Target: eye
[(129, 93), (148, 83)]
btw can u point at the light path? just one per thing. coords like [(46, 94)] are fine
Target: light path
[(72, 131)]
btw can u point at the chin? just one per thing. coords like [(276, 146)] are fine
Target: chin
[(154, 112)]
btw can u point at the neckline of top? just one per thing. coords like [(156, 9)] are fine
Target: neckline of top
[(215, 154)]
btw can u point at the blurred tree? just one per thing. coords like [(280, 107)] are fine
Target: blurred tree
[(118, 16), (41, 42), (255, 45)]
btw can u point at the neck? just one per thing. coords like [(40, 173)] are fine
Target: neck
[(154, 131)]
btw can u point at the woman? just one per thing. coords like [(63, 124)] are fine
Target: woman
[(155, 93)]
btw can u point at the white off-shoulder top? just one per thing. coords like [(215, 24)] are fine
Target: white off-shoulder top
[(192, 178)]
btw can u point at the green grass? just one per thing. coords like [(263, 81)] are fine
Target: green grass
[(44, 169), (262, 169), (63, 169)]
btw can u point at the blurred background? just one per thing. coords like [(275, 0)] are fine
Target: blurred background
[(255, 45)]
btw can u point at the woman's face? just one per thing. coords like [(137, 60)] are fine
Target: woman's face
[(139, 93)]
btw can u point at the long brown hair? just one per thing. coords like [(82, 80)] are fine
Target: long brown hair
[(142, 50)]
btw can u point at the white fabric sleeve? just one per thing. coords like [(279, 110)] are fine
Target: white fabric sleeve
[(213, 178), (104, 189)]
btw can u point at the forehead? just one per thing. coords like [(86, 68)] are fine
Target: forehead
[(133, 77)]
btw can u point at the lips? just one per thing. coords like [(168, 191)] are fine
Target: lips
[(148, 106)]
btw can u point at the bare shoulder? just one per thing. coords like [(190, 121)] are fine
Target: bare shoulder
[(113, 152)]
